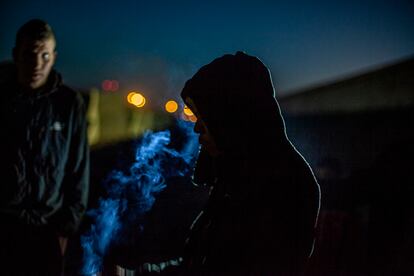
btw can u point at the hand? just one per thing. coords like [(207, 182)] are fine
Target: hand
[(63, 241)]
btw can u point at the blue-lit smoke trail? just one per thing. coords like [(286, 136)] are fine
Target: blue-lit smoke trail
[(119, 217)]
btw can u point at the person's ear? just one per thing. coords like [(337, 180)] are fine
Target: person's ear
[(55, 54)]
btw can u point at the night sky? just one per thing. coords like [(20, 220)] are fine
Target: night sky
[(154, 46)]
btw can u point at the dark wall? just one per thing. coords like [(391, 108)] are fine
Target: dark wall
[(354, 139)]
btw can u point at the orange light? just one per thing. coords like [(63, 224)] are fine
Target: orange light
[(136, 99), (192, 119), (130, 96), (171, 106), (189, 118), (187, 111)]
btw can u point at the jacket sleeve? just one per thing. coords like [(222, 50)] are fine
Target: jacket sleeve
[(76, 179)]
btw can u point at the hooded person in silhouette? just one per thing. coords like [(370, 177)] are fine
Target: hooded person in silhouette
[(264, 198)]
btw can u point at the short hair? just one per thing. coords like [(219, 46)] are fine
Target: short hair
[(34, 30)]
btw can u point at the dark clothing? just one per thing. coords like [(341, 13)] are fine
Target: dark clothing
[(45, 159), (391, 217), (263, 207), (29, 250)]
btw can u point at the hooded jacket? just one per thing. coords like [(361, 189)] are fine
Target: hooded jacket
[(264, 203), (44, 154)]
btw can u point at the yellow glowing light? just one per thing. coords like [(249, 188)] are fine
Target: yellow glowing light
[(171, 106), (187, 111), (130, 96), (137, 99)]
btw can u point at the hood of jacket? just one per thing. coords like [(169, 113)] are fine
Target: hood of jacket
[(234, 95)]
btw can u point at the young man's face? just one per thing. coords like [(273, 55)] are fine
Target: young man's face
[(206, 139), (34, 61)]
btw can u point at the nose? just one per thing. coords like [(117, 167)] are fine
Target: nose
[(34, 62), (38, 62)]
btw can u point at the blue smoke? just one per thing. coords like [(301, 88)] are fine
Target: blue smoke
[(119, 218)]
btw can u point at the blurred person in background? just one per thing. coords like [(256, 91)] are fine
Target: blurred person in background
[(44, 161)]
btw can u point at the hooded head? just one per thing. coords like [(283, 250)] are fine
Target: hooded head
[(234, 96), (235, 99)]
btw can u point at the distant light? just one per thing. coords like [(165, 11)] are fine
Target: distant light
[(187, 111), (188, 118), (192, 119), (171, 106), (114, 85), (106, 85), (137, 99), (110, 85), (130, 96)]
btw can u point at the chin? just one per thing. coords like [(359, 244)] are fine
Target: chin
[(36, 85)]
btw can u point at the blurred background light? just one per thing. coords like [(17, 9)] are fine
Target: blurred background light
[(192, 118), (138, 100), (110, 85), (187, 111), (106, 85), (114, 85), (129, 96), (171, 106)]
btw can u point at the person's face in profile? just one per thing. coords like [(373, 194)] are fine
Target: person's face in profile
[(34, 61), (206, 139)]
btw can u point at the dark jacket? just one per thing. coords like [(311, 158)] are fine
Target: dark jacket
[(264, 203), (44, 155)]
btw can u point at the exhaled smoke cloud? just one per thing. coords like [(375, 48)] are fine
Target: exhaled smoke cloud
[(119, 217)]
